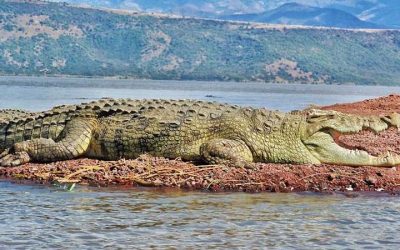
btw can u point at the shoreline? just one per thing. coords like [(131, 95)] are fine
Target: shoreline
[(122, 78), (164, 173)]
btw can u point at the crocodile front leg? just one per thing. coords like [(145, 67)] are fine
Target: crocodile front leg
[(73, 142), (228, 152)]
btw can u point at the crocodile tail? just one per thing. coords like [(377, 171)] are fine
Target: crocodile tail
[(17, 126), (3, 127), (6, 117)]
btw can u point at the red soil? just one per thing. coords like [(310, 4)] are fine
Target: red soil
[(160, 172), (379, 106)]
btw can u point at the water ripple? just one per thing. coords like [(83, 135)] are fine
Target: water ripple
[(37, 216)]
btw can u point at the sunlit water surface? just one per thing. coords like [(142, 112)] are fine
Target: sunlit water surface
[(37, 216), (34, 216)]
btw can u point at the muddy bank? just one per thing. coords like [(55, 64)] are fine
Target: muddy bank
[(160, 172)]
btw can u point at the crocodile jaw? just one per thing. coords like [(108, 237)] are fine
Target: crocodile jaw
[(322, 126), (323, 147)]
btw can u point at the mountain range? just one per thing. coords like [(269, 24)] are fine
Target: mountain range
[(298, 14), (45, 38), (332, 13)]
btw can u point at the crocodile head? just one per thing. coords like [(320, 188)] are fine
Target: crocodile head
[(321, 129)]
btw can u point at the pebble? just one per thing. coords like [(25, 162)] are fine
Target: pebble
[(370, 180)]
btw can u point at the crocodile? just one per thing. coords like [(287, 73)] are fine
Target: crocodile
[(192, 130)]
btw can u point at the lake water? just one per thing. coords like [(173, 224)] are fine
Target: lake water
[(35, 93), (34, 216)]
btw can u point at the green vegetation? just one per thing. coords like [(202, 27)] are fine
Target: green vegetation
[(54, 39)]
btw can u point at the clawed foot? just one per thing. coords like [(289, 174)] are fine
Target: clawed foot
[(11, 158), (250, 165), (244, 164)]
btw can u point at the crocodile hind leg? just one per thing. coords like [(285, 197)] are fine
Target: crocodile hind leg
[(227, 152), (73, 142)]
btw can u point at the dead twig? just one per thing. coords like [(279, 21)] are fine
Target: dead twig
[(67, 178)]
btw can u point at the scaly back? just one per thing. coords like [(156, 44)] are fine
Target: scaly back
[(17, 125)]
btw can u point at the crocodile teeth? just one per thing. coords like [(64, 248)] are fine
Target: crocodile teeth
[(359, 152)]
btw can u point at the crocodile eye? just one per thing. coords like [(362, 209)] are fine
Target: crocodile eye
[(320, 118), (267, 127)]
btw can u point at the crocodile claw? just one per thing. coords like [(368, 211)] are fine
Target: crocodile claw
[(8, 159), (250, 165), (4, 153)]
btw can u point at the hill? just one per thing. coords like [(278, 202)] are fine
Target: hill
[(299, 14), (58, 39)]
